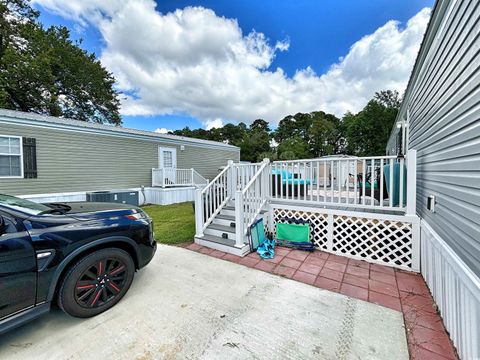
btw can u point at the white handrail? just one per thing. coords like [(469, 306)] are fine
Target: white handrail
[(210, 200), (171, 177), (215, 179), (250, 200), (254, 178), (334, 158), (201, 179)]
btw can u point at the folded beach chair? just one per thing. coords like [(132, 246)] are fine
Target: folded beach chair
[(259, 242), (296, 235)]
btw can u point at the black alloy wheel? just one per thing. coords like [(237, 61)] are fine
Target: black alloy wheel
[(101, 282), (96, 282)]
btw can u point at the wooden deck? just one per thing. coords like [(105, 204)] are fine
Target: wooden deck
[(341, 206)]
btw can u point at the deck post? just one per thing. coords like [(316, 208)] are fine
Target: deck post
[(239, 215), (198, 212), (265, 180), (330, 232), (416, 244), (231, 176), (192, 182), (411, 182)]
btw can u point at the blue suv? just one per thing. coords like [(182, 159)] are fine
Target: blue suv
[(82, 255)]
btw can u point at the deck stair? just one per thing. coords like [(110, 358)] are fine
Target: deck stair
[(220, 233)]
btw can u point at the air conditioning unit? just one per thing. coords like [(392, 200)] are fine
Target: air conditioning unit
[(114, 196)]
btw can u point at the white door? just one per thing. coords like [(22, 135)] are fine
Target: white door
[(167, 160), (167, 157)]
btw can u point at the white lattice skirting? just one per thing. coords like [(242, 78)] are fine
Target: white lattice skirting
[(384, 239)]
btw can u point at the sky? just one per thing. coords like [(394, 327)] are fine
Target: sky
[(205, 63)]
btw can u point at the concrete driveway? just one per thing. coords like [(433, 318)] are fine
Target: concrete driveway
[(186, 305)]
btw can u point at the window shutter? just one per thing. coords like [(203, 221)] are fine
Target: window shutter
[(29, 158)]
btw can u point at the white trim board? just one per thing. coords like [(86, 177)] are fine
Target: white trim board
[(455, 289), (21, 176), (368, 215)]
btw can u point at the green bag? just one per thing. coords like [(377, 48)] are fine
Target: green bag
[(293, 232)]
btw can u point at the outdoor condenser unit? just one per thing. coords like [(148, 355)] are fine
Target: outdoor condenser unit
[(114, 196)]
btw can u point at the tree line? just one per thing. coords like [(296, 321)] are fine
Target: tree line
[(43, 70), (310, 135)]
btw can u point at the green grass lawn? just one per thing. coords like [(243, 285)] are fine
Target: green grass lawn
[(173, 224)]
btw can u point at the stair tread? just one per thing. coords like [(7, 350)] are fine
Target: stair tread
[(232, 208), (218, 240), (225, 217), (219, 227)]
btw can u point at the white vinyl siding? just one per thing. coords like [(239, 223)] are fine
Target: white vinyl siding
[(10, 156), (443, 102)]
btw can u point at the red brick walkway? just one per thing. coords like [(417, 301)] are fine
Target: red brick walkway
[(399, 290)]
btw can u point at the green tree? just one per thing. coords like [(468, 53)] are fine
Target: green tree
[(296, 125), (256, 141), (260, 125), (44, 71), (233, 134), (326, 134), (368, 131), (293, 148)]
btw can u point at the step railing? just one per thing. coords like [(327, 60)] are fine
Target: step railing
[(198, 179), (243, 173), (171, 177), (210, 200), (367, 182), (250, 200)]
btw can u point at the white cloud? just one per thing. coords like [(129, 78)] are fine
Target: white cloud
[(213, 124), (193, 61), (163, 131)]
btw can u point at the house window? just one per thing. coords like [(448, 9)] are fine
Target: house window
[(167, 159), (10, 156)]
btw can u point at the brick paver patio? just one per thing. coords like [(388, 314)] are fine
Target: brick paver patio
[(396, 289)]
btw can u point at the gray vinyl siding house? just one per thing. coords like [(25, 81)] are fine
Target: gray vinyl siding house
[(74, 156), (440, 119)]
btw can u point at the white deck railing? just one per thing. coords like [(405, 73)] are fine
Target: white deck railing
[(367, 182), (250, 200), (243, 173), (170, 177), (210, 200)]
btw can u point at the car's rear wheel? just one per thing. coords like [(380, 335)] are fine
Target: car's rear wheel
[(96, 282)]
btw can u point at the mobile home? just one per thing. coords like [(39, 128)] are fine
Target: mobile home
[(54, 159)]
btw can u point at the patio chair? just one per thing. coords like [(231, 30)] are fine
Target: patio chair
[(372, 186), (288, 183), (387, 192), (395, 190)]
